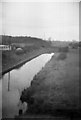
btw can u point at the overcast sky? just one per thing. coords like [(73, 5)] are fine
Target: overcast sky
[(58, 20)]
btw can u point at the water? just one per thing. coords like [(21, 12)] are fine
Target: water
[(0, 99), (16, 80)]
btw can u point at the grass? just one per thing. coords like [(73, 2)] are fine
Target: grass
[(55, 89), (0, 61)]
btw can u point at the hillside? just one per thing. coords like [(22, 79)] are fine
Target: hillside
[(22, 50), (21, 39)]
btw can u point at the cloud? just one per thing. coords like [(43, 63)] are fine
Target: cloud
[(0, 18), (37, 18), (41, 0)]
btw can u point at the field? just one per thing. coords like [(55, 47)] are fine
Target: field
[(55, 89)]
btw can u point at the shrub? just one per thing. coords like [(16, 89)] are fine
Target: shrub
[(63, 49), (62, 56)]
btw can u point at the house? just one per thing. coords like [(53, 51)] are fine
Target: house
[(5, 47)]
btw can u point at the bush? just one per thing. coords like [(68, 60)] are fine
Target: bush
[(63, 49), (62, 56), (74, 45)]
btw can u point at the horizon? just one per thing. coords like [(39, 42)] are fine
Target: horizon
[(40, 38), (58, 21)]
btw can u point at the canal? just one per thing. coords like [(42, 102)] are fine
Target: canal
[(16, 80)]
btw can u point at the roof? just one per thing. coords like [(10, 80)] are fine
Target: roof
[(19, 49), (3, 45)]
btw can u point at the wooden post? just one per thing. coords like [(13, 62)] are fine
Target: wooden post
[(9, 81)]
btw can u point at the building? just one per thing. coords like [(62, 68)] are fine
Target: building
[(5, 47)]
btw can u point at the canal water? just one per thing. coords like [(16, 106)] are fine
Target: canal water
[(16, 80), (0, 99)]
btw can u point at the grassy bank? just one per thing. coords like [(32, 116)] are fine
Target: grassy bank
[(13, 61), (55, 89)]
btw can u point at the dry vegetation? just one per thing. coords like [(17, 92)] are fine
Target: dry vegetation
[(55, 89)]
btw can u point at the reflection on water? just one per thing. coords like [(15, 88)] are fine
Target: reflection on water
[(20, 79), (0, 99)]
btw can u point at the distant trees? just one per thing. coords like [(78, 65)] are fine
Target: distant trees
[(80, 44), (74, 44)]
